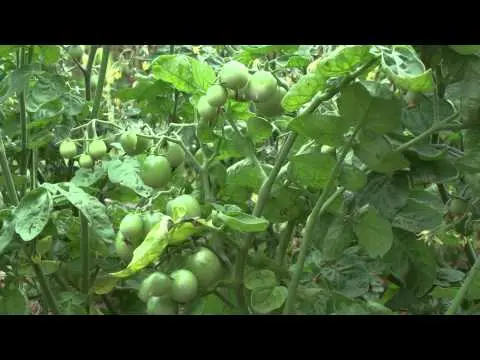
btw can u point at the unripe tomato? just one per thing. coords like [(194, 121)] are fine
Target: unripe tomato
[(68, 149), (150, 219), (157, 284), (131, 227), (206, 267), (156, 171), (161, 306), (129, 140), (175, 155), (85, 161), (234, 75), (187, 202), (75, 51), (458, 206), (122, 248), (97, 149), (216, 95), (184, 287)]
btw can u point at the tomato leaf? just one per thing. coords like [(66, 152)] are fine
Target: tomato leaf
[(6, 233), (260, 279), (466, 49), (326, 129), (259, 129), (311, 169), (126, 173), (373, 232), (338, 237), (266, 300), (12, 302), (240, 221), (33, 213)]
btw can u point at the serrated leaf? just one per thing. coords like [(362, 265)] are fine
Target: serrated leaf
[(284, 204), (6, 234), (239, 221), (126, 173), (89, 177), (466, 49), (104, 284), (259, 129), (373, 232), (340, 62), (244, 173), (50, 53), (377, 114), (67, 224), (469, 162), (266, 300), (46, 89), (184, 73), (352, 178), (326, 129), (149, 250), (422, 212), (420, 118), (311, 169), (91, 208), (33, 213), (406, 70), (257, 279), (339, 236)]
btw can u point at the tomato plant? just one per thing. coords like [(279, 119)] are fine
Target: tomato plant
[(235, 179)]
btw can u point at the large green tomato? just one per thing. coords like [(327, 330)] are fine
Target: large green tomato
[(132, 228), (150, 219), (68, 149), (85, 161), (175, 154), (97, 149), (206, 267), (156, 171), (205, 110), (157, 284), (216, 95), (234, 75), (123, 249), (184, 287), (190, 206), (262, 86), (273, 106), (161, 306), (143, 144), (129, 141)]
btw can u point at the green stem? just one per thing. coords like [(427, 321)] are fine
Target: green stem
[(23, 117), (284, 241), (101, 81), (85, 253), (34, 169), (318, 209), (88, 72), (457, 301), (439, 126), (7, 174), (207, 194), (46, 291)]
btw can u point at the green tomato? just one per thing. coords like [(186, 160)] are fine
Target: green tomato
[(131, 227), (97, 149), (161, 306), (458, 206), (200, 156), (143, 144), (262, 86), (122, 248), (205, 110), (206, 267), (68, 149), (184, 287), (156, 171), (157, 284), (234, 75), (216, 95), (129, 141), (273, 106), (150, 219), (175, 155), (85, 161), (75, 51), (190, 206)]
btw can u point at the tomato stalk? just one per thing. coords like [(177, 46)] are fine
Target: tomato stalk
[(88, 72), (265, 189), (101, 81), (23, 116), (284, 241), (457, 301), (7, 174)]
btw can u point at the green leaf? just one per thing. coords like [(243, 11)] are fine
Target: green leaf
[(473, 291), (244, 173), (12, 302), (104, 284), (266, 300), (257, 279), (5, 50), (285, 203), (239, 221), (74, 104), (338, 238), (92, 208), (469, 162), (298, 61), (46, 89), (377, 114), (373, 232), (311, 169), (7, 232), (184, 73), (259, 129), (232, 145), (420, 118), (149, 250), (326, 129), (50, 53), (450, 275), (352, 178), (377, 153), (406, 70), (466, 49), (67, 224), (33, 213), (249, 53), (89, 177), (126, 173), (340, 62), (428, 152), (422, 212)]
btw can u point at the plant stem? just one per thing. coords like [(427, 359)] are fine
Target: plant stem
[(457, 301), (88, 72), (7, 173), (284, 241), (84, 253), (318, 209), (23, 117), (101, 82), (47, 292), (442, 125)]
